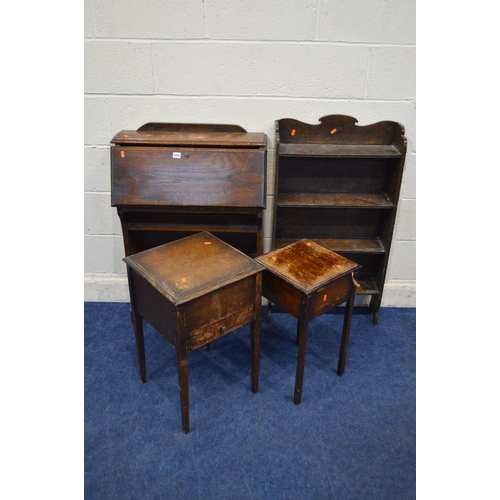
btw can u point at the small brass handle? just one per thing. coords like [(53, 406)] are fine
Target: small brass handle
[(223, 329)]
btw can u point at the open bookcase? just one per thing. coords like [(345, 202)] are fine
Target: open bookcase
[(338, 183)]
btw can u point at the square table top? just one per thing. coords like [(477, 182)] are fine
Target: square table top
[(193, 266), (307, 265)]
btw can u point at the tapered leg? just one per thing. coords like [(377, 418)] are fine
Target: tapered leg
[(345, 335), (255, 348), (301, 359), (182, 368), (374, 307), (255, 334), (139, 343)]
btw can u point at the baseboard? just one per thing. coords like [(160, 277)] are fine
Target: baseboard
[(106, 288), (400, 294), (114, 288)]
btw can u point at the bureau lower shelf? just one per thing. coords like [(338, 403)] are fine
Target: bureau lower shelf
[(145, 228), (191, 228)]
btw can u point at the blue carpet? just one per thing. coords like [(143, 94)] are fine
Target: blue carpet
[(351, 438)]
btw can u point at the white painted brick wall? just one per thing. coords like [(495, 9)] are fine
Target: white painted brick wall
[(247, 63), (314, 70), (208, 68), (261, 20), (368, 21)]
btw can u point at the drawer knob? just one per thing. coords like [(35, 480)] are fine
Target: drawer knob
[(223, 329), (186, 155)]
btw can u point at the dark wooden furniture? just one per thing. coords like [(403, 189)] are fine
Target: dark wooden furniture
[(339, 183), (193, 291), (171, 180), (306, 280)]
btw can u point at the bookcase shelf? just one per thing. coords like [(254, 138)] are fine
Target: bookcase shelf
[(327, 200), (368, 246), (341, 150)]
